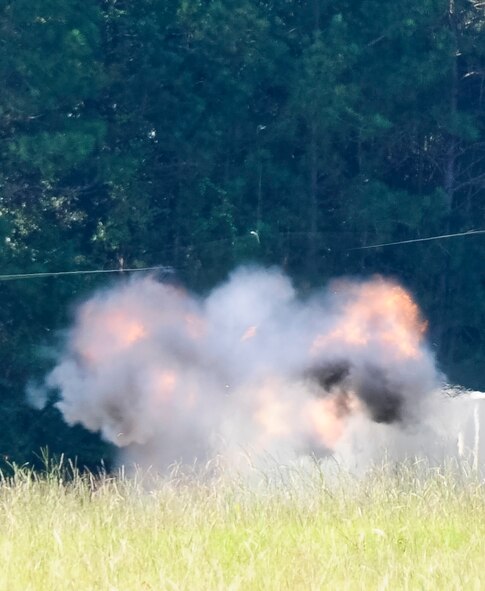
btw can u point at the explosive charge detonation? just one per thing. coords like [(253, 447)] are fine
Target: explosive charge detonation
[(168, 376)]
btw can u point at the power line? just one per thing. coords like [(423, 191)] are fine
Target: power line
[(165, 269), (441, 237), (87, 272)]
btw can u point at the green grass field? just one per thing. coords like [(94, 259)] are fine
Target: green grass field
[(396, 528)]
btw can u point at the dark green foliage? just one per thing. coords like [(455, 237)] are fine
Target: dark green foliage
[(209, 133)]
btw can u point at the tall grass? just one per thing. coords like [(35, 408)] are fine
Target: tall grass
[(406, 527)]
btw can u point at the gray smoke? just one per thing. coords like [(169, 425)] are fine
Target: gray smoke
[(168, 376)]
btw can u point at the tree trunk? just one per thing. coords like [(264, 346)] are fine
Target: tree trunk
[(313, 213), (449, 184)]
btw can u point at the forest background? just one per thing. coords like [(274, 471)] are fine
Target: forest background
[(203, 134)]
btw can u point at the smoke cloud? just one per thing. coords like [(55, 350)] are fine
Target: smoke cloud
[(167, 376)]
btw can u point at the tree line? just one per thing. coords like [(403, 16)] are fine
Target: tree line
[(203, 134)]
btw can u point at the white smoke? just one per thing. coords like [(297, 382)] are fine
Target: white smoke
[(252, 368)]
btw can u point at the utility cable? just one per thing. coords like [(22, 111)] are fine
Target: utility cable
[(441, 237), (165, 269), (87, 272)]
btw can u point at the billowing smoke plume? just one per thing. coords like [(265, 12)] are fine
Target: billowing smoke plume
[(168, 376)]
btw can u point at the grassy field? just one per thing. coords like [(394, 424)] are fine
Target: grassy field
[(405, 528)]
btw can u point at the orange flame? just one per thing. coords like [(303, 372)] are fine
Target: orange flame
[(327, 417), (116, 332), (165, 384), (124, 330), (378, 312), (273, 414)]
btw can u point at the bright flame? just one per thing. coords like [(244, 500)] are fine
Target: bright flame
[(123, 330), (327, 417), (273, 414), (116, 331), (377, 312)]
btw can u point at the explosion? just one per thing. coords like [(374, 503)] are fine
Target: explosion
[(169, 376), (377, 312)]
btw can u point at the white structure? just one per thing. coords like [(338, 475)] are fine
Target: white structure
[(469, 434)]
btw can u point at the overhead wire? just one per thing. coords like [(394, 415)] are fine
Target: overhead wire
[(169, 270), (440, 237), (12, 276)]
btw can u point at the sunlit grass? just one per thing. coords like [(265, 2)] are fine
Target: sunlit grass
[(396, 528)]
